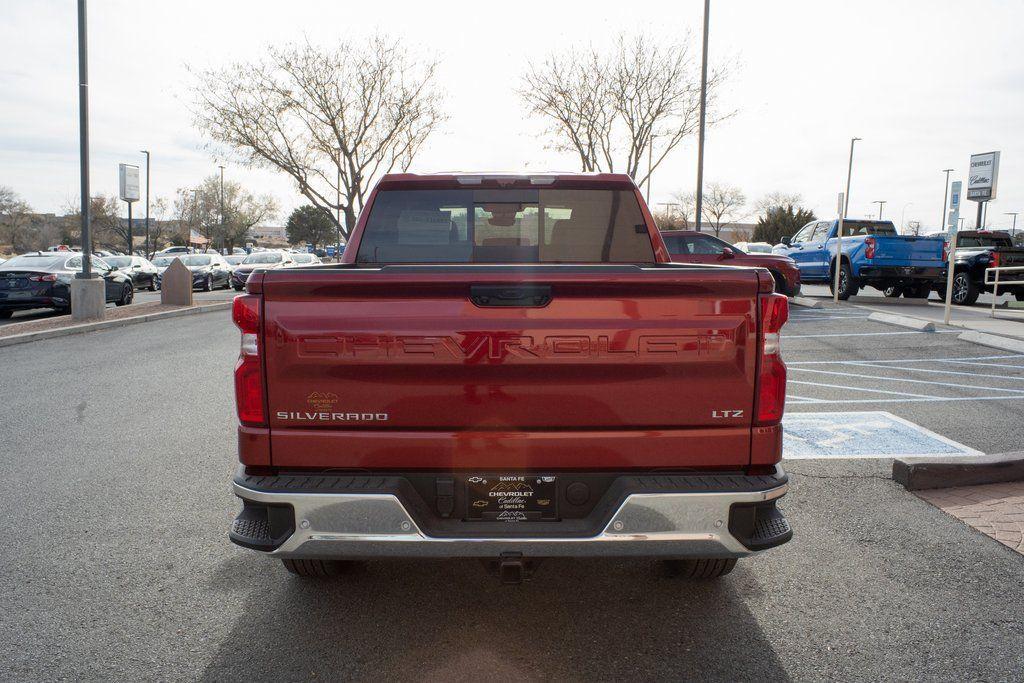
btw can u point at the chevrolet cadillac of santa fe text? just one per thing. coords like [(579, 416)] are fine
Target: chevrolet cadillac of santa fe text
[(509, 367)]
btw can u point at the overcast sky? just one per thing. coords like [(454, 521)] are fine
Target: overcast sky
[(925, 83)]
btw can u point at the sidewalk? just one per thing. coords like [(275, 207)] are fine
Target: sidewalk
[(996, 510)]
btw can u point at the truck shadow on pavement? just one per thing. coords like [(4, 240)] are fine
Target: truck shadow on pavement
[(449, 620)]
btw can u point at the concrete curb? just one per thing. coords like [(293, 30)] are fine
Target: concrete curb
[(903, 321), (883, 301), (993, 340), (916, 474), (107, 324), (811, 302)]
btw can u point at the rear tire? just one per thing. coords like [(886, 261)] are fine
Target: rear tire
[(704, 568), (848, 285), (965, 292), (317, 569), (152, 285), (127, 294)]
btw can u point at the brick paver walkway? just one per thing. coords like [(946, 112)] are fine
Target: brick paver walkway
[(993, 509)]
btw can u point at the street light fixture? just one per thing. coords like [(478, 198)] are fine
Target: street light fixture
[(881, 204)]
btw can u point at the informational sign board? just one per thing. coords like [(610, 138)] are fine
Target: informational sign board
[(953, 218), (983, 177), (128, 182)]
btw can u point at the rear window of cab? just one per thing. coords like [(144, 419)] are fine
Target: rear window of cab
[(505, 226)]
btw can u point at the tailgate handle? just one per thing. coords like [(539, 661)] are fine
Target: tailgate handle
[(510, 295)]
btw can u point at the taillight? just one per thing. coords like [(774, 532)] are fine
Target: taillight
[(43, 278), (945, 252), (771, 376), (869, 247), (249, 399), (994, 262)]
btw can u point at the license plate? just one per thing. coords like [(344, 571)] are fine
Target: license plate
[(511, 498)]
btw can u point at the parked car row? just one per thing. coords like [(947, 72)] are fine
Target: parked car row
[(689, 246), (43, 280)]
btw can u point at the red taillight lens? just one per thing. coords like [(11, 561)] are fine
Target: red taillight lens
[(994, 262), (771, 376), (869, 247), (249, 398), (42, 278), (945, 252)]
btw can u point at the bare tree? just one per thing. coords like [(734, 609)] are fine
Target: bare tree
[(15, 221), (776, 199), (107, 230), (614, 110), (722, 204), (333, 120)]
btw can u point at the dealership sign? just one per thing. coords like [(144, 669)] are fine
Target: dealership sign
[(954, 208), (128, 182), (983, 176)]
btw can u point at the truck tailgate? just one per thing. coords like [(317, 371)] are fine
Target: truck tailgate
[(908, 250), (424, 367)]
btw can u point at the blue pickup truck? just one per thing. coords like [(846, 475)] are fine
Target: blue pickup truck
[(874, 255)]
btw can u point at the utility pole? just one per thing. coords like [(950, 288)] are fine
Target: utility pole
[(83, 139), (146, 152), (703, 110), (222, 227), (945, 197), (337, 247), (1013, 230), (881, 203), (849, 175)]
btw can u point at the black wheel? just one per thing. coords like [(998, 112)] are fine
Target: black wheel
[(780, 282), (893, 291), (709, 568), (317, 569), (965, 292), (208, 284), (6, 313), (152, 284), (127, 294), (237, 288), (848, 285)]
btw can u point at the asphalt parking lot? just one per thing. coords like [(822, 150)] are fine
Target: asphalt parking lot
[(114, 491)]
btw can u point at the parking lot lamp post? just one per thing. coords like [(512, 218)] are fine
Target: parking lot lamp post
[(842, 217), (146, 152), (703, 109), (1013, 230), (945, 197), (881, 204), (83, 139), (222, 228)]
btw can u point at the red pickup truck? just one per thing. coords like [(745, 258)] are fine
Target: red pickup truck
[(508, 368)]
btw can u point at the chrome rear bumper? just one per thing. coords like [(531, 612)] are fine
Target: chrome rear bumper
[(376, 525)]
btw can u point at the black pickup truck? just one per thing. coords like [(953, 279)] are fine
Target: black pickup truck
[(976, 251)]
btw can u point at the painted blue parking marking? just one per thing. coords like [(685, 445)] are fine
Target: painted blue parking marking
[(872, 434)]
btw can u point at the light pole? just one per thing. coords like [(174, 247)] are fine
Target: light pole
[(881, 203), (83, 139), (1013, 230), (903, 214), (945, 196), (703, 110), (146, 152), (839, 230), (222, 229)]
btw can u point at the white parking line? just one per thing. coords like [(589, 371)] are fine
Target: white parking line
[(930, 399), (843, 386), (912, 360), (864, 334), (915, 381), (939, 372)]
